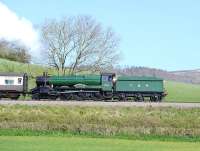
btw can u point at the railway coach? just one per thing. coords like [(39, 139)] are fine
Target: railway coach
[(12, 85)]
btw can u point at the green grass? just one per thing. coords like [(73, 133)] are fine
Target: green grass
[(17, 143), (104, 121), (53, 133), (32, 69), (182, 92), (61, 128)]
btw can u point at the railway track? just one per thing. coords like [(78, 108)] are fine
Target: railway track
[(103, 104)]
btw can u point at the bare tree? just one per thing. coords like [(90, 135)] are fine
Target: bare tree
[(58, 39), (80, 43), (22, 55), (14, 51)]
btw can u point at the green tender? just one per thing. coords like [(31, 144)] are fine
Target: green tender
[(77, 79), (139, 84)]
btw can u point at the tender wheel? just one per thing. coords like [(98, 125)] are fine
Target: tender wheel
[(139, 98), (152, 99), (156, 98), (159, 98), (122, 98)]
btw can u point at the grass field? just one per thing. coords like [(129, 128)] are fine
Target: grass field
[(32, 70), (57, 128), (36, 143), (104, 121), (177, 92), (182, 92)]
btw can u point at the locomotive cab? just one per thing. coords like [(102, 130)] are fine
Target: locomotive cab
[(108, 81)]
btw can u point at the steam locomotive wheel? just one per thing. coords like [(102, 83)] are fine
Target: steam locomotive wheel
[(107, 95), (97, 97), (65, 97), (36, 96), (76, 97), (52, 97)]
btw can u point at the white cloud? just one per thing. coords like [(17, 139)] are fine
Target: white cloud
[(16, 28)]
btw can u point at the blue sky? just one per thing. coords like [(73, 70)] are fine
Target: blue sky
[(160, 34)]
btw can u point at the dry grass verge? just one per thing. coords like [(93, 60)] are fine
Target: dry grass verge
[(103, 121)]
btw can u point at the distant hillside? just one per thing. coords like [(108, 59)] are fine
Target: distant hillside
[(187, 76), (193, 75)]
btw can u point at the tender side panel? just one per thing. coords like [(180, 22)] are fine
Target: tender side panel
[(140, 86)]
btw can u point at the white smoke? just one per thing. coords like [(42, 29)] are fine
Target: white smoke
[(15, 28)]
